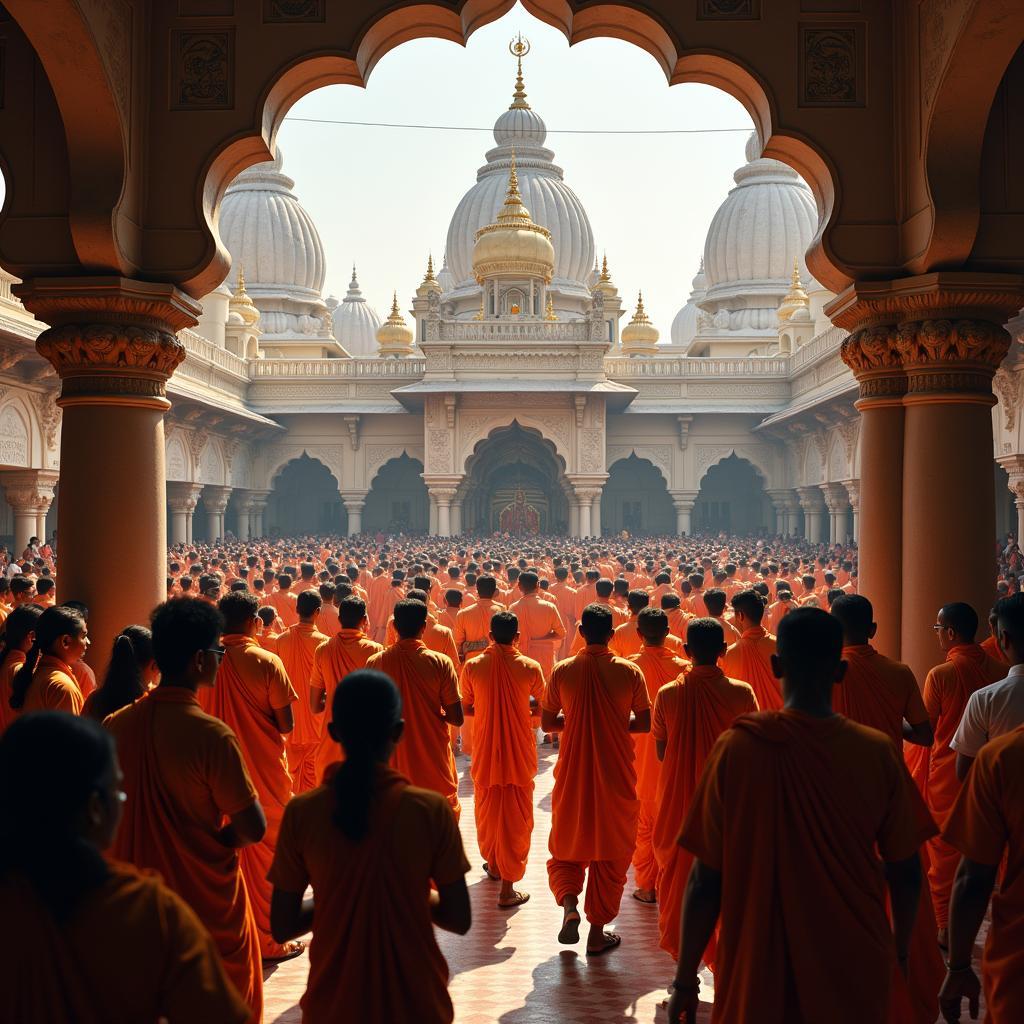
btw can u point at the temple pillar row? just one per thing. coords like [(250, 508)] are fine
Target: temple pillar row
[(182, 498), (29, 492), (837, 502), (786, 504), (684, 503), (813, 504), (216, 499), (257, 507), (355, 502), (924, 351)]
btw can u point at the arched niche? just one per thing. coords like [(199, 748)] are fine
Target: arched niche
[(636, 499), (732, 499), (397, 501), (305, 500)]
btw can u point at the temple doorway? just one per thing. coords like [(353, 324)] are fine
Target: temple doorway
[(732, 500), (636, 499), (305, 500), (397, 502)]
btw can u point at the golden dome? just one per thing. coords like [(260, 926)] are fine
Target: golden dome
[(394, 336), (604, 280), (430, 283), (640, 336), (241, 304), (513, 244), (795, 299)]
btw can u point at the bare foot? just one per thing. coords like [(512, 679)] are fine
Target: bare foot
[(570, 933)]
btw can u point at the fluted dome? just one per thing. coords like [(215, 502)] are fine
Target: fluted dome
[(445, 278), (552, 204), (266, 230), (513, 244), (765, 222), (685, 324), (356, 322)]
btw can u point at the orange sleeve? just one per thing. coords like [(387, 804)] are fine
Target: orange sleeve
[(641, 698), (932, 696), (448, 858), (906, 823), (702, 832), (195, 985), (449, 682), (552, 700), (466, 682), (227, 777), (288, 872), (977, 825), (281, 692), (536, 684), (316, 677), (659, 729)]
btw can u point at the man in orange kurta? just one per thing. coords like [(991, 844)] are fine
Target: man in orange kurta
[(435, 636), (296, 647), (660, 666), (946, 689), (883, 694), (564, 596), (332, 661), (986, 825), (254, 698), (750, 657), (689, 716), (597, 702), (473, 624), (283, 600), (799, 820), (430, 704), (540, 626), (184, 774), (497, 687)]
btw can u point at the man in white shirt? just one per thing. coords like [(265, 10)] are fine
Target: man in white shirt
[(998, 708)]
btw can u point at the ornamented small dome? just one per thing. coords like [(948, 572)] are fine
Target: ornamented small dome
[(520, 124), (604, 280), (795, 299), (640, 336), (429, 283), (355, 322), (513, 244), (394, 337), (685, 326), (445, 278), (240, 306)]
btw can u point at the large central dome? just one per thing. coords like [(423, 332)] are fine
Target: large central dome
[(553, 205)]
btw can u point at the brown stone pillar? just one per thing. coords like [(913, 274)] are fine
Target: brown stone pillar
[(924, 350), (112, 342)]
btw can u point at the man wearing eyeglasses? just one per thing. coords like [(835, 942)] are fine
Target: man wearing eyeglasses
[(183, 775)]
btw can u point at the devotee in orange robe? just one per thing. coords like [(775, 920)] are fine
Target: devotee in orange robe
[(596, 701), (46, 681), (86, 940), (283, 600), (540, 626), (18, 636), (431, 703), (334, 660), (473, 624), (371, 845), (883, 694), (750, 657), (677, 618), (987, 826), (254, 698), (780, 608), (296, 647), (714, 602), (660, 666), (564, 596), (799, 822), (498, 685), (946, 691), (435, 636), (184, 776), (689, 716)]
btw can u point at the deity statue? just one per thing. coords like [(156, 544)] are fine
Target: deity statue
[(520, 517)]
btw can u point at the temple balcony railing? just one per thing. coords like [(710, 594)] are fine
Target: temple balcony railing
[(526, 332), (622, 368), (320, 369), (818, 347)]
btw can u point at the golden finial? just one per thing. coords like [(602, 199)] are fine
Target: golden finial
[(241, 303), (519, 48), (605, 276), (549, 313), (513, 178), (480, 315), (641, 315), (796, 298), (395, 313), (430, 267)]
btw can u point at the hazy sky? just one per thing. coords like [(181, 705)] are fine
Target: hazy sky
[(384, 196)]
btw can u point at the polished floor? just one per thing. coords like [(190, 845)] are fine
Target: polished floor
[(510, 968)]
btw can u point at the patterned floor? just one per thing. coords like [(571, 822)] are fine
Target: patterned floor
[(510, 968)]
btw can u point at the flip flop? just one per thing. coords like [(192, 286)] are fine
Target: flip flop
[(487, 871), (570, 933), (291, 951), (612, 941), (642, 899), (517, 901)]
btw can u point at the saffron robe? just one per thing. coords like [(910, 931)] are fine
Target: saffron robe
[(749, 659), (53, 688), (296, 648), (538, 618)]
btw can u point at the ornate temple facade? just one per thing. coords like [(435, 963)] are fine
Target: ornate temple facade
[(512, 393)]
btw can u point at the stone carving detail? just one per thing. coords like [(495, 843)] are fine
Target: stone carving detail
[(49, 416), (1006, 385), (830, 74), (211, 467), (592, 450), (202, 69), (728, 10), (439, 451), (88, 356), (378, 455), (293, 11), (849, 432), (177, 466), (13, 438), (196, 443), (940, 25), (331, 455)]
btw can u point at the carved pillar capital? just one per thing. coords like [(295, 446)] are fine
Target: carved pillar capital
[(853, 490), (29, 489), (836, 498), (811, 499), (183, 496), (216, 498), (110, 339)]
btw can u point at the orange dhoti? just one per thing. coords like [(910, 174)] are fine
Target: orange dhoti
[(504, 825), (605, 881), (645, 864), (302, 764)]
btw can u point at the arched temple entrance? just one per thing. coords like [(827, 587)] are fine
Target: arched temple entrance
[(732, 500), (636, 499), (305, 499), (397, 501), (515, 482)]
